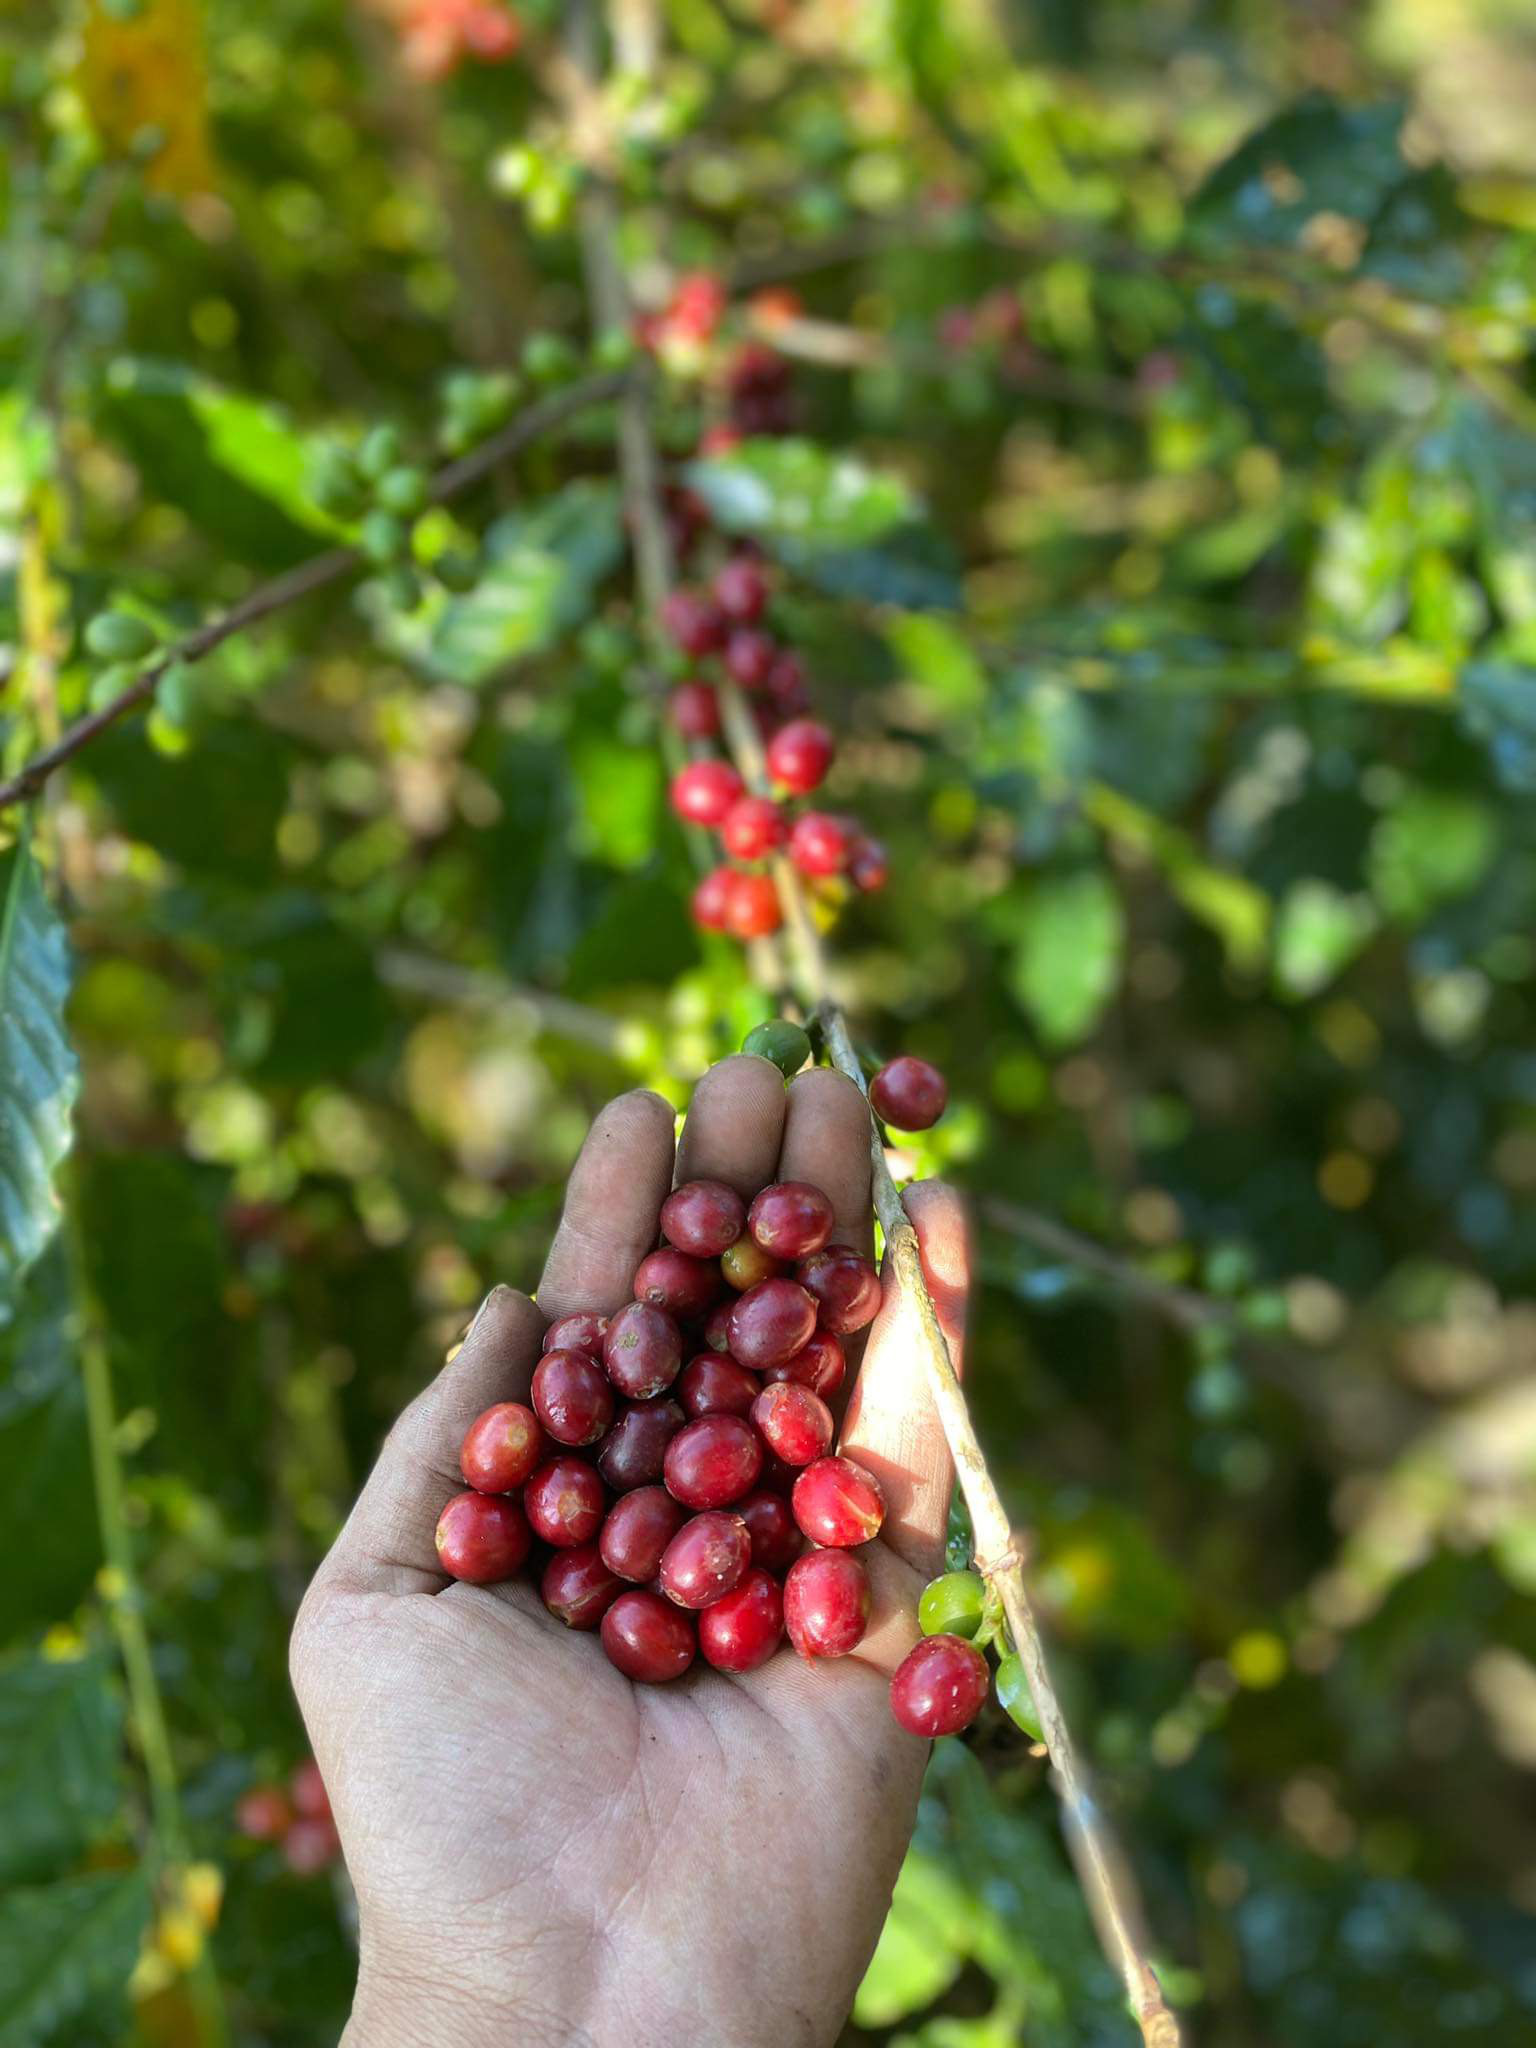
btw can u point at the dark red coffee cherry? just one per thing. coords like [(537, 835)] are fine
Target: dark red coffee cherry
[(482, 1537), (741, 590), (845, 1286), (693, 622), (752, 827), (578, 1588), (685, 1287), (714, 1385), (647, 1638), (638, 1529), (838, 1503), (787, 686), (717, 1327), (744, 1627), (745, 1264), (940, 1686), (642, 1351), (501, 1447), (703, 1218), (713, 1461), (799, 755), (584, 1330), (706, 1559), (306, 1788), (695, 711), (564, 1501), (770, 1323), (572, 1397), (705, 790), (826, 1603), (752, 908), (794, 1423), (749, 657), (819, 1365), (790, 1219), (909, 1093), (819, 844), (634, 1449), (776, 1538), (869, 868)]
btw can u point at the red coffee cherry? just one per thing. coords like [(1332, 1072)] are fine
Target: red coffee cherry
[(705, 790), (909, 1093), (642, 1351), (818, 843), (749, 657), (685, 1287), (713, 1461), (306, 1788), (647, 1638), (310, 1846), (745, 1264), (826, 1603), (844, 1285), (711, 899), (713, 1384), (264, 1813), (939, 1687), (819, 1365), (501, 1447), (638, 1529), (776, 1539), (564, 1502), (752, 827), (752, 908), (695, 711), (741, 590), (790, 1219), (703, 1218), (706, 1559), (717, 1324), (787, 687), (693, 622), (799, 755), (583, 1330), (869, 868), (795, 1424), (770, 1323), (838, 1503), (572, 1397), (482, 1537), (578, 1588), (635, 1448), (743, 1628)]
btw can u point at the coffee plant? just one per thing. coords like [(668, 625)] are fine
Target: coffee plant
[(989, 547)]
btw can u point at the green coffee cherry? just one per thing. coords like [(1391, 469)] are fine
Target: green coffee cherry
[(952, 1605), (383, 537), (379, 452), (1018, 1702), (335, 485), (780, 1041), (456, 570), (120, 636), (110, 682), (403, 587), (614, 349), (549, 358), (403, 490)]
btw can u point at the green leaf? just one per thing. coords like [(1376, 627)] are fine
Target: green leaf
[(1318, 931), (1236, 909), (1069, 933), (39, 1076), (1498, 704), (65, 1948), (922, 1946), (1316, 157), (59, 1762), (1431, 846), (800, 493), (43, 1453), (935, 654)]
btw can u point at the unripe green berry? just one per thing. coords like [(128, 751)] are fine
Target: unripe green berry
[(119, 636), (614, 349), (403, 490), (549, 358), (379, 452), (778, 1040), (335, 485), (1018, 1702), (403, 587), (456, 570), (383, 537), (952, 1605), (110, 682)]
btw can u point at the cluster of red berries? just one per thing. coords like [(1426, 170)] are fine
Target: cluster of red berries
[(678, 1455), (437, 36), (297, 1816)]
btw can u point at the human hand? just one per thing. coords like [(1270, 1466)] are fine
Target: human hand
[(545, 1855)]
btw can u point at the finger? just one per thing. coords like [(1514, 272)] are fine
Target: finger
[(387, 1544), (892, 1425), (826, 1141), (735, 1122), (612, 1200)]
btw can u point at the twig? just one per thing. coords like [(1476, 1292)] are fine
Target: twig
[(308, 577), (419, 975)]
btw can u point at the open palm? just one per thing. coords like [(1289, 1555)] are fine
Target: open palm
[(543, 1852)]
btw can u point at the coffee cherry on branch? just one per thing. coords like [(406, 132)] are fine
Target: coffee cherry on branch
[(564, 1502), (790, 1219), (638, 1529), (776, 1538), (819, 1364), (264, 1813), (703, 1218), (306, 1788), (939, 1687), (869, 868), (693, 622), (501, 1447), (744, 1627), (752, 827), (788, 689), (819, 844), (311, 1846), (695, 711), (578, 1588), (483, 1538), (634, 1450), (706, 1559), (838, 1503), (844, 1286), (785, 1044), (713, 1462), (826, 1603), (711, 899), (799, 755), (771, 1322), (749, 657), (740, 590), (952, 1605), (909, 1093), (704, 791), (712, 1384), (572, 1397), (647, 1638), (642, 1350), (795, 1424), (752, 909), (672, 1280)]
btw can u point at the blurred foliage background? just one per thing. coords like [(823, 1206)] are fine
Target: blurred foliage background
[(1159, 528)]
